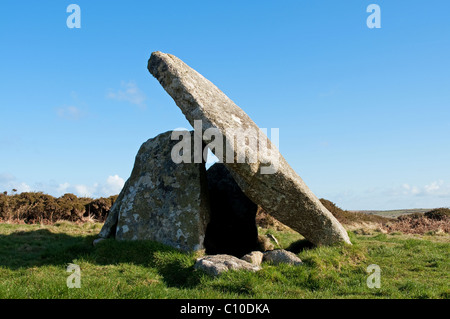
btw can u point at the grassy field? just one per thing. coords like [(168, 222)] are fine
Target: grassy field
[(33, 261)]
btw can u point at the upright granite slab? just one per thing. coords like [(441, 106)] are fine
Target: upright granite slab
[(282, 193), (162, 200)]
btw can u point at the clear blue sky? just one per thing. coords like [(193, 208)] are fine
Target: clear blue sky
[(364, 114)]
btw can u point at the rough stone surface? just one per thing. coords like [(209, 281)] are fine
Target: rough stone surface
[(281, 256), (214, 265), (282, 194), (255, 258), (232, 228), (162, 200)]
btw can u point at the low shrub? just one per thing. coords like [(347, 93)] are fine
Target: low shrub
[(438, 214), (37, 207), (432, 222)]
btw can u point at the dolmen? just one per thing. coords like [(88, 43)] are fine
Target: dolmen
[(172, 198)]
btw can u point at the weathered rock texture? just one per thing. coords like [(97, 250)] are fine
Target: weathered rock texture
[(232, 228), (281, 256), (283, 194), (161, 200), (255, 258), (214, 265)]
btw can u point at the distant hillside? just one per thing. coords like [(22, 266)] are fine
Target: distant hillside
[(393, 213), (348, 217)]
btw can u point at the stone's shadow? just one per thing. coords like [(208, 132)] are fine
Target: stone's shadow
[(300, 245), (41, 247), (175, 267), (176, 274)]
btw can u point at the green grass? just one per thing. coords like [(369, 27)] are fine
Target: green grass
[(33, 261)]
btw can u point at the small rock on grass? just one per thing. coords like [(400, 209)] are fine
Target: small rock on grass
[(255, 258), (214, 265), (280, 256)]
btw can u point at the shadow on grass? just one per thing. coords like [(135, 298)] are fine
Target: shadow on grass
[(26, 249), (41, 247), (300, 245), (176, 267)]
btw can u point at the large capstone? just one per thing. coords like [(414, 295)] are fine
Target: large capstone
[(162, 200), (232, 228), (268, 181)]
